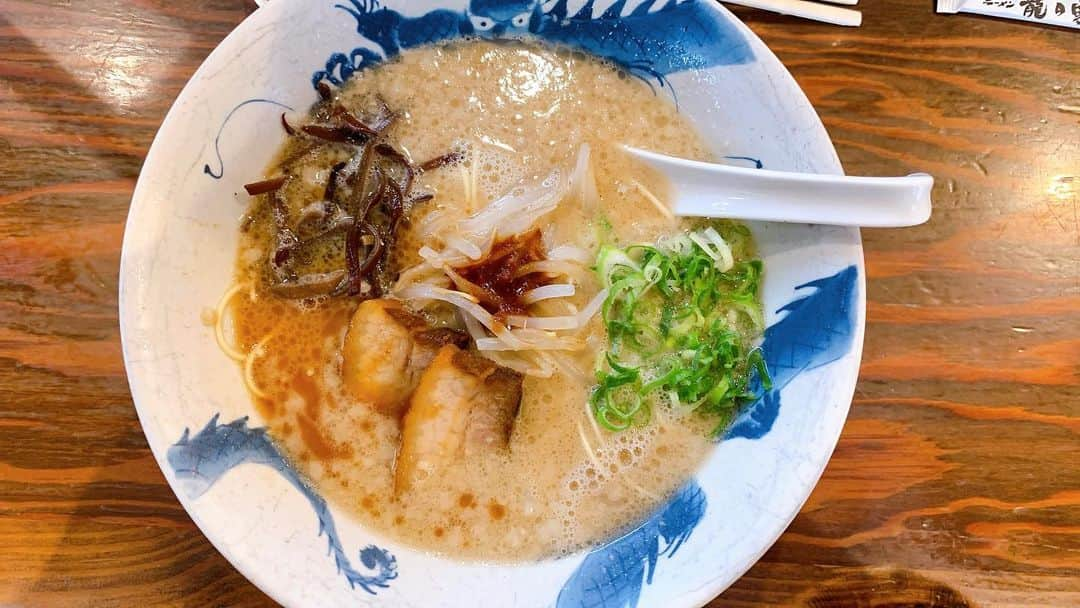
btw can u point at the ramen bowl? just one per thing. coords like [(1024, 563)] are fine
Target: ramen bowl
[(274, 526)]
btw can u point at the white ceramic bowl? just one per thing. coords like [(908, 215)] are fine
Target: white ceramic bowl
[(178, 259)]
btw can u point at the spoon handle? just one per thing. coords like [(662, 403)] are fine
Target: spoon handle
[(711, 190)]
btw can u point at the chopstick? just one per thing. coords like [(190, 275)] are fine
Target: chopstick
[(809, 10)]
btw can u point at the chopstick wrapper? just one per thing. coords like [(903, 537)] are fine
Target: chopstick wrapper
[(1065, 13)]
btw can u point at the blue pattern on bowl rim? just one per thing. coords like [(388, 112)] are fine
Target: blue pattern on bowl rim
[(650, 40)]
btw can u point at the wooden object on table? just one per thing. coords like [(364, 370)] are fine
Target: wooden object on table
[(955, 481)]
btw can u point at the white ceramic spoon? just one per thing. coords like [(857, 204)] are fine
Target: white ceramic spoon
[(713, 190)]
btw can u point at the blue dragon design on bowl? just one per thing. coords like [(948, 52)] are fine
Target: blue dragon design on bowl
[(611, 576), (198, 461), (651, 39), (817, 330)]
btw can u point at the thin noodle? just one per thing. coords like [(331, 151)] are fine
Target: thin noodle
[(585, 442), (649, 196), (567, 365), (469, 182), (636, 487), (249, 371), (257, 351), (219, 332), (592, 457)]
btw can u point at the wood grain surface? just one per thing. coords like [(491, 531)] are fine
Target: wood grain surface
[(955, 482)]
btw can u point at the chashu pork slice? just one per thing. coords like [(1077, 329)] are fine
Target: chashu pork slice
[(385, 350), (463, 406)]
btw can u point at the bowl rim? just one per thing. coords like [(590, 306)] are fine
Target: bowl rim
[(266, 15)]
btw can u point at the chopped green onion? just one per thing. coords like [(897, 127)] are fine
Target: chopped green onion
[(682, 317)]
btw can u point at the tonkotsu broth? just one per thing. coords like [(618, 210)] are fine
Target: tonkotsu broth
[(519, 111)]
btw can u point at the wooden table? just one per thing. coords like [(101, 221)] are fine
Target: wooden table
[(955, 482)]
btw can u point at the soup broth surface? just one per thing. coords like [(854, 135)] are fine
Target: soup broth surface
[(516, 112)]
